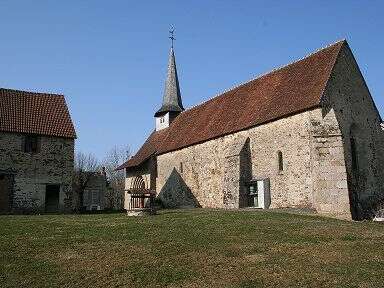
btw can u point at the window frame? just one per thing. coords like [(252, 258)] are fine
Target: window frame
[(31, 143)]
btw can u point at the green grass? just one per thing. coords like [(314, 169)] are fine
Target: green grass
[(190, 248)]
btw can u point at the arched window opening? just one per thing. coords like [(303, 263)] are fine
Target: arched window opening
[(181, 167), (280, 161), (138, 183)]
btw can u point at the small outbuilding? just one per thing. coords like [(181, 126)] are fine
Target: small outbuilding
[(37, 139)]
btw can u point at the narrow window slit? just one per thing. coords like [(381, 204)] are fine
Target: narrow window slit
[(280, 160)]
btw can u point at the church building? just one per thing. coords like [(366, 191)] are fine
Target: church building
[(306, 135)]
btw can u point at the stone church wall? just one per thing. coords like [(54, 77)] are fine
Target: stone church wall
[(208, 167), (348, 112), (329, 174), (32, 172)]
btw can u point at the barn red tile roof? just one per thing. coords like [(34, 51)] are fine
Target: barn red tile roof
[(35, 113), (291, 89)]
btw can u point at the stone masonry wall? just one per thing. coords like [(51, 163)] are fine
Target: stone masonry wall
[(348, 112), (32, 172), (203, 165), (329, 174)]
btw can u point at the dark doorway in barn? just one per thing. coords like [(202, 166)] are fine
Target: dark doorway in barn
[(52, 194), (6, 188)]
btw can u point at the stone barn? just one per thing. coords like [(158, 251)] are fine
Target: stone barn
[(306, 135), (36, 152)]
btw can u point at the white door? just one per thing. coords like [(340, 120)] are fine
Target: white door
[(260, 193)]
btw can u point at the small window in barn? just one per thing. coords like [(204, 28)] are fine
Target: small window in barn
[(280, 160), (162, 120), (355, 160), (31, 144), (181, 167)]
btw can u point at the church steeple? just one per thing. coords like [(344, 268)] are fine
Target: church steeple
[(172, 96), (172, 103)]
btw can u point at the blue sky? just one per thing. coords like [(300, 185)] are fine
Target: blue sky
[(109, 57)]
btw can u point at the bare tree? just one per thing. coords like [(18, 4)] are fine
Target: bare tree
[(114, 158), (85, 166)]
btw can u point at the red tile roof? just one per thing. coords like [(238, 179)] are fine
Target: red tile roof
[(36, 113), (150, 147), (291, 89)]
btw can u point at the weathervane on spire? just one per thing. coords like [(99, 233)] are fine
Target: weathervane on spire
[(172, 37)]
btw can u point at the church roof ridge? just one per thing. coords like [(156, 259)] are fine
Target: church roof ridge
[(260, 76)]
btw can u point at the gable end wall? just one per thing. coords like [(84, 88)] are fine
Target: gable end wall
[(348, 112)]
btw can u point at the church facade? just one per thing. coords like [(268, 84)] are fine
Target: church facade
[(307, 135)]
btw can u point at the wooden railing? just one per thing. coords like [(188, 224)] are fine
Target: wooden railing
[(141, 200)]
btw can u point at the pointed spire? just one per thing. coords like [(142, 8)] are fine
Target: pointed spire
[(172, 97)]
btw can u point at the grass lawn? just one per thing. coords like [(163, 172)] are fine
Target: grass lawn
[(190, 248)]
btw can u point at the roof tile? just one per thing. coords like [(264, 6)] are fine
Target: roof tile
[(37, 113)]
